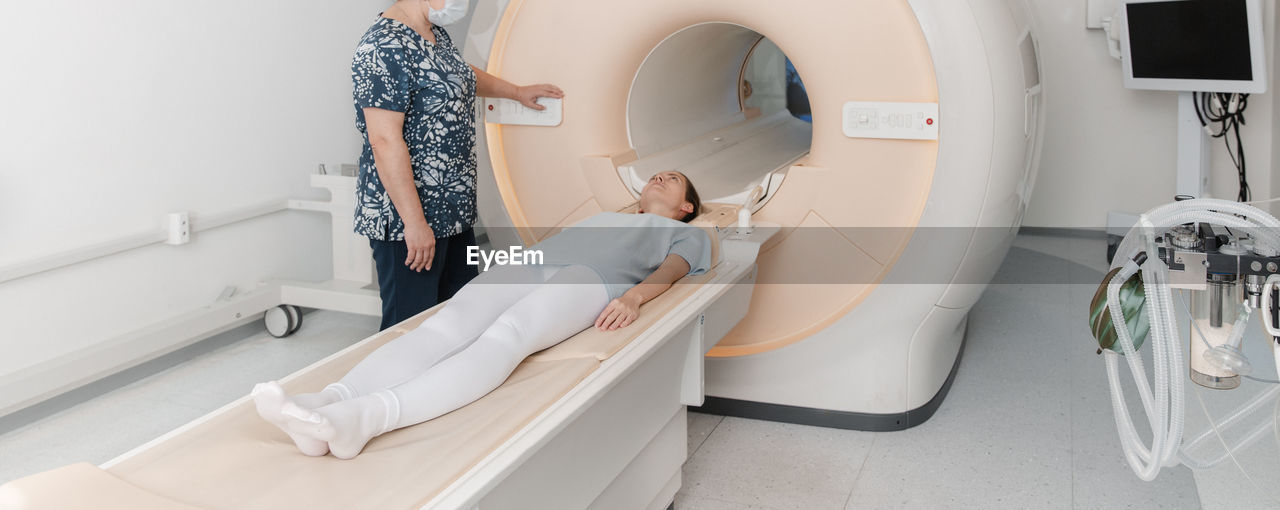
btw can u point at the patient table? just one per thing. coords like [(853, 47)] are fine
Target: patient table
[(597, 421)]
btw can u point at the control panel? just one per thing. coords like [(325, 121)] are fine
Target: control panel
[(902, 121), (507, 111)]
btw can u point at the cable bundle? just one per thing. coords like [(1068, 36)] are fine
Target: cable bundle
[(1227, 111)]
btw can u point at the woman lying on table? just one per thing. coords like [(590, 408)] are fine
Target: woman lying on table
[(599, 271)]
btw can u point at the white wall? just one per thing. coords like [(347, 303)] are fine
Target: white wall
[(116, 113), (1108, 148)]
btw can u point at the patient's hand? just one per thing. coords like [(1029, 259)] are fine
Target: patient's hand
[(620, 313)]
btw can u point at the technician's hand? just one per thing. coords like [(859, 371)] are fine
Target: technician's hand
[(421, 241), (528, 95), (620, 313)]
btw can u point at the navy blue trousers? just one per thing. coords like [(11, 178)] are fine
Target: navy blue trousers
[(405, 292)]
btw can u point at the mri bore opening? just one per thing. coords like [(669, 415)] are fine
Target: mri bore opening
[(722, 104), (770, 83)]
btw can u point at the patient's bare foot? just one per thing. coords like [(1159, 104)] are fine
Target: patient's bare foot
[(346, 426), (269, 398)]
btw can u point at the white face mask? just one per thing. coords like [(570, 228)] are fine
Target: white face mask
[(453, 11)]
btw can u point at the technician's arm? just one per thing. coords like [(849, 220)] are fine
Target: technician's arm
[(488, 85), (391, 157), (623, 311)]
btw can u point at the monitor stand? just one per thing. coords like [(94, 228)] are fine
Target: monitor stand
[(1193, 150)]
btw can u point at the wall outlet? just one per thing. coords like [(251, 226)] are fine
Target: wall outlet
[(179, 228)]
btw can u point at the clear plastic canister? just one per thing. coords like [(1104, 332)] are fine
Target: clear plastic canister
[(1212, 313)]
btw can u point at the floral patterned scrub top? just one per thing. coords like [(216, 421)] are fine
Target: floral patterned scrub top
[(396, 69)]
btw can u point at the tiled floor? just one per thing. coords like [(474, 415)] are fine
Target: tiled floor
[(1027, 423)]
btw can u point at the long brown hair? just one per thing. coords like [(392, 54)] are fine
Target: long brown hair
[(691, 196)]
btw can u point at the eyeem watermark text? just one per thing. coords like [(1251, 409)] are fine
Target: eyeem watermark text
[(513, 256)]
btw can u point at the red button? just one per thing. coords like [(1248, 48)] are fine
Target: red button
[(929, 122)]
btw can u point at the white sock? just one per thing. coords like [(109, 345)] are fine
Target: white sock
[(346, 426), (335, 392), (269, 398)]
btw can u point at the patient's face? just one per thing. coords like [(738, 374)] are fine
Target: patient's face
[(664, 195)]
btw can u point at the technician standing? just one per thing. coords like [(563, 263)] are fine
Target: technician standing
[(416, 193)]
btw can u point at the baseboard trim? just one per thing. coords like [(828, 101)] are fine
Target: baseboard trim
[(1079, 233), (76, 370), (100, 387), (835, 419)]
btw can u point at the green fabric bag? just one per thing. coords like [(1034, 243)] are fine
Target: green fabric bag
[(1133, 300)]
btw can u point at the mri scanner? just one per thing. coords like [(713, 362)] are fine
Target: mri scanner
[(848, 251), (830, 339)]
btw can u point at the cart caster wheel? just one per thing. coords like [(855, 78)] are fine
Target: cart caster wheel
[(280, 321), (296, 313)]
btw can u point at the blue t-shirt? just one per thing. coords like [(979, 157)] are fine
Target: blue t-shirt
[(624, 249), (396, 69)]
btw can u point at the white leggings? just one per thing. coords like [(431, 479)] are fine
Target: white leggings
[(470, 346)]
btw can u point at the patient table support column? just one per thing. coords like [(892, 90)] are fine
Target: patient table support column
[(710, 327)]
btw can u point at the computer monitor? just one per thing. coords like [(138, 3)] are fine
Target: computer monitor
[(1193, 45)]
